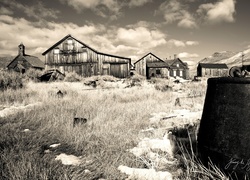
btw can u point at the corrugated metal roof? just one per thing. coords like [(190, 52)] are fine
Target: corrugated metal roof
[(157, 65), (213, 66)]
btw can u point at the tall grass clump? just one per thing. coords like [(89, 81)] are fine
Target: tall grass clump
[(105, 81), (72, 77), (33, 75), (161, 84), (10, 80), (135, 80), (195, 169)]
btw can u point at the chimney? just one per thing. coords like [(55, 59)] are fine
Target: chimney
[(21, 49), (175, 56)]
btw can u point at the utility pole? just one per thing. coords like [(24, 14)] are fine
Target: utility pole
[(242, 58)]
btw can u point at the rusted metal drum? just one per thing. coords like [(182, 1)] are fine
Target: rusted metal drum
[(224, 133)]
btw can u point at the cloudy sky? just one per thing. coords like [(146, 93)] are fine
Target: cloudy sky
[(192, 29)]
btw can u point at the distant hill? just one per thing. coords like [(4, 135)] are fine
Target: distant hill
[(229, 58)]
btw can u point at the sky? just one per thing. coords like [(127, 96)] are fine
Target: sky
[(191, 29)]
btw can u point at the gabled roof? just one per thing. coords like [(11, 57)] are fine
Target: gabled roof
[(213, 66), (33, 60), (172, 61), (157, 65), (147, 55), (85, 45), (4, 61)]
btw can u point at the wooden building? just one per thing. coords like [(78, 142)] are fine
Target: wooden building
[(22, 62), (151, 66), (178, 68), (72, 55), (212, 70)]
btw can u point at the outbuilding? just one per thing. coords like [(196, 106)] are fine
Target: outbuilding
[(212, 70)]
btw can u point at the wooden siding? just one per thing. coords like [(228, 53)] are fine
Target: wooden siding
[(140, 65), (85, 61), (157, 72), (178, 68), (212, 70), (206, 72)]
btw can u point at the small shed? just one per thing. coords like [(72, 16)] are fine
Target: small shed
[(212, 70), (151, 66)]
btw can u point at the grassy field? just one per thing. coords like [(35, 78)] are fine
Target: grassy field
[(116, 111)]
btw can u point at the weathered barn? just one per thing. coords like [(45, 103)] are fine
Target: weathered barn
[(212, 70), (72, 55), (178, 68), (22, 62), (151, 66)]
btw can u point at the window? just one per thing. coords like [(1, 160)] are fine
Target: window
[(56, 51), (177, 65), (158, 71), (174, 72), (181, 73)]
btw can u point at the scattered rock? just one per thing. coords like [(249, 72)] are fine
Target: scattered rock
[(54, 145), (69, 159), (146, 145), (145, 174), (26, 130)]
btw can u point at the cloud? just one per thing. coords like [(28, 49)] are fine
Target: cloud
[(222, 11), (141, 37), (104, 8), (42, 36), (192, 43), (5, 11), (177, 11), (37, 11), (176, 43), (113, 40), (187, 55), (134, 3)]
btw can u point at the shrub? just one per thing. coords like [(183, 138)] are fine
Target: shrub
[(72, 77), (135, 80), (161, 84), (33, 74), (10, 80)]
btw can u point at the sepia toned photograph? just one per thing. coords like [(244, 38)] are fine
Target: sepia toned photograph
[(124, 90)]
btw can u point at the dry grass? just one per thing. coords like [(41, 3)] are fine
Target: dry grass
[(115, 117)]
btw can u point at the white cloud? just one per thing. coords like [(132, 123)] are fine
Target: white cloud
[(192, 43), (41, 37), (114, 40), (187, 55), (141, 37), (176, 11), (223, 10), (133, 3), (176, 43)]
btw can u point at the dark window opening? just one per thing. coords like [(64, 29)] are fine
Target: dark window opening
[(158, 71)]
